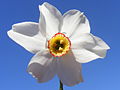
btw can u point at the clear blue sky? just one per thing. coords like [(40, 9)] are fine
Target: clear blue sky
[(101, 74)]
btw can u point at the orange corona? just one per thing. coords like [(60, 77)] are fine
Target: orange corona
[(59, 45)]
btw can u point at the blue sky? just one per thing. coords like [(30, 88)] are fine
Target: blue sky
[(101, 74)]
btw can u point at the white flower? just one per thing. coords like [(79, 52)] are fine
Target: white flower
[(60, 43)]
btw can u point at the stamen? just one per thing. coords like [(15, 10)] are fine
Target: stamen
[(60, 49), (61, 41)]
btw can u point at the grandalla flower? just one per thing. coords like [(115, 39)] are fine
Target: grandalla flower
[(60, 44)]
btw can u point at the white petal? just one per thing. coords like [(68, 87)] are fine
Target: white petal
[(88, 47), (27, 35), (42, 66), (100, 42), (69, 71), (88, 41), (75, 23), (84, 56), (42, 24), (52, 18), (83, 41)]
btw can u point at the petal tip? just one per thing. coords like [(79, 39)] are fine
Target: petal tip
[(108, 47), (45, 3), (9, 33)]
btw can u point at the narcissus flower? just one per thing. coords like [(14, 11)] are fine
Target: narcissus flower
[(60, 44)]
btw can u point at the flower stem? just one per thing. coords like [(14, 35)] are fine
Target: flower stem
[(61, 86)]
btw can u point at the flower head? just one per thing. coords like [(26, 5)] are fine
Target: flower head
[(60, 44)]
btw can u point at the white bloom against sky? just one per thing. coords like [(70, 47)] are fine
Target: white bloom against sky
[(60, 44)]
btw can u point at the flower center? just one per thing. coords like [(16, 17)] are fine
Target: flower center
[(59, 45)]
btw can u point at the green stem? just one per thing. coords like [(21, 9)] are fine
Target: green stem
[(61, 86)]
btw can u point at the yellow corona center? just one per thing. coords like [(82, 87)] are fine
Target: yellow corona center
[(59, 45)]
